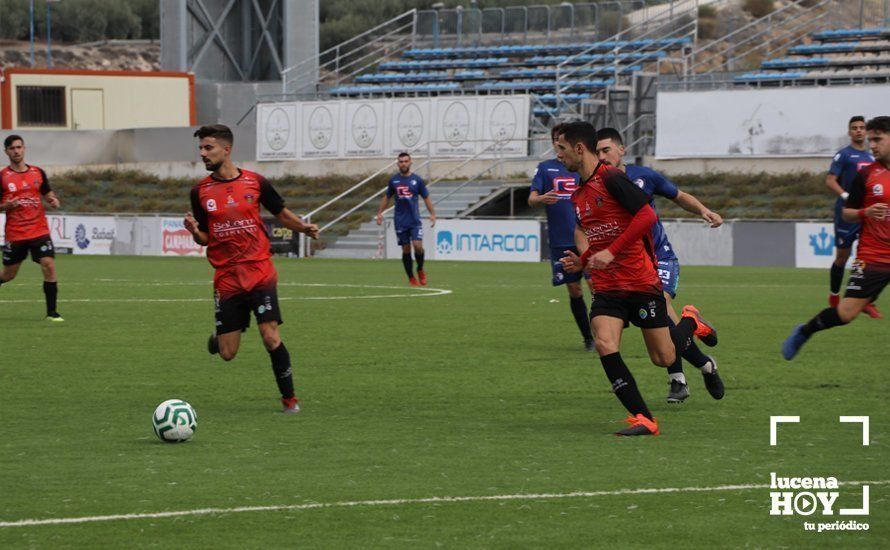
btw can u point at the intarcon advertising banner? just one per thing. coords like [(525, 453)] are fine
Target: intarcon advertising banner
[(814, 245), (176, 239), (488, 240), (277, 131)]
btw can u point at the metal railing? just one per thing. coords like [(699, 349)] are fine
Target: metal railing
[(350, 57)]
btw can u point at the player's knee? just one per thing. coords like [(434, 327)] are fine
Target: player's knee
[(227, 354), (271, 340), (575, 290), (847, 312), (7, 276), (605, 346), (664, 358)]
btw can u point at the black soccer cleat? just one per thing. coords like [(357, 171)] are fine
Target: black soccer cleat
[(712, 380), (678, 392), (589, 345), (213, 344)]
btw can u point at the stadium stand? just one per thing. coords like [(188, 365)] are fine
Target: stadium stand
[(839, 55)]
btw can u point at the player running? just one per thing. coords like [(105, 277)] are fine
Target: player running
[(610, 150), (22, 190), (407, 186), (841, 173), (614, 236), (553, 186), (226, 219), (869, 204)]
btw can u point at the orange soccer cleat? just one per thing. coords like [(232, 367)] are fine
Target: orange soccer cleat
[(421, 274), (639, 425), (704, 330), (413, 282), (291, 405)]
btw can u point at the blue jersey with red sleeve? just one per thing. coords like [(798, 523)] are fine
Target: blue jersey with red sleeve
[(551, 175), (844, 166), (652, 183), (406, 189)]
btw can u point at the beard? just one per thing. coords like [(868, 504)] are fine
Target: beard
[(213, 167)]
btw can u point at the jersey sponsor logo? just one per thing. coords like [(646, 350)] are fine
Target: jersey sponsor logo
[(211, 205), (877, 190), (564, 186), (861, 165), (12, 188), (404, 192)]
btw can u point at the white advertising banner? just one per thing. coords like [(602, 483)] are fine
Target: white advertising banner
[(505, 122), (393, 249), (176, 239), (814, 245), (791, 121), (82, 234), (457, 127), (277, 137), (488, 240), (410, 124), (364, 128), (321, 128)]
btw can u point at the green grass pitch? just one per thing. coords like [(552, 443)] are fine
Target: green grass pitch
[(481, 392)]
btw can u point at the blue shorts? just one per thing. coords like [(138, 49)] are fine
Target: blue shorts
[(560, 277), (845, 233), (669, 273), (409, 234)]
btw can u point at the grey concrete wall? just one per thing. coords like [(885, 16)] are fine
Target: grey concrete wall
[(698, 244), (742, 165), (763, 243)]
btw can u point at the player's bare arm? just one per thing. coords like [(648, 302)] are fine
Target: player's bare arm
[(536, 199), (9, 205), (431, 210), (694, 206), (292, 221), (52, 200), (191, 224), (876, 211), (572, 262), (834, 186), (384, 201)]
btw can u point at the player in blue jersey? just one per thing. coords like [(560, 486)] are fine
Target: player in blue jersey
[(552, 187), (844, 167), (610, 150), (406, 187)]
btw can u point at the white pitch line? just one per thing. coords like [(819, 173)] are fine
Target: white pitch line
[(420, 293), (396, 502)]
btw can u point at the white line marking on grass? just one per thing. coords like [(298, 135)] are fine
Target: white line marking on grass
[(422, 292), (397, 502)]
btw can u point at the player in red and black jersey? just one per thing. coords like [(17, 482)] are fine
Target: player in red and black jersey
[(23, 189), (868, 204), (613, 235), (225, 218)]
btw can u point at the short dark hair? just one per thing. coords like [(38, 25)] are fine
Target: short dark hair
[(580, 132), (556, 130), (10, 139), (218, 131), (404, 154), (879, 124), (857, 118), (610, 133)]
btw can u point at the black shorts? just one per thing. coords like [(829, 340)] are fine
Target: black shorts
[(41, 247), (865, 282), (233, 312), (643, 310)]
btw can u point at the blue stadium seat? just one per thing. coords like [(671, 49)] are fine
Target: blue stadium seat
[(852, 34)]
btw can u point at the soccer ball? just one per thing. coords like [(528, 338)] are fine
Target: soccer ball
[(174, 421)]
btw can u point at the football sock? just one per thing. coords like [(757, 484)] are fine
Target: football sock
[(681, 334), (579, 311), (825, 319), (406, 261), (51, 290), (623, 385), (694, 355), (281, 367), (837, 276), (419, 256)]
